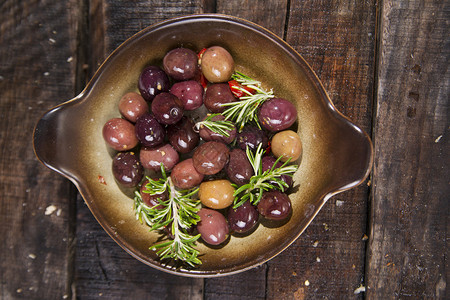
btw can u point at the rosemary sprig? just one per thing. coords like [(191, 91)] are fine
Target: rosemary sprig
[(245, 111), (262, 181), (179, 212), (217, 126)]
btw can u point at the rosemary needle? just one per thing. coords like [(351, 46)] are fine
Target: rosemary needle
[(246, 109), (262, 181), (179, 213), (218, 126)]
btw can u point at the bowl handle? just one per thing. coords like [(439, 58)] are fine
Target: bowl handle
[(356, 152), (47, 138)]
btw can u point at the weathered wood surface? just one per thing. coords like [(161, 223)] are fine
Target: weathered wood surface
[(37, 71), (102, 268), (337, 38), (408, 249), (384, 65)]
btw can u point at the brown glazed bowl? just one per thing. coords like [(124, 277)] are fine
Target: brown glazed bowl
[(337, 155)]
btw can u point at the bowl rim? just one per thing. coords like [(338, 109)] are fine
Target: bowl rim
[(309, 72)]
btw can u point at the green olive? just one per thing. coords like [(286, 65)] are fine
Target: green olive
[(286, 144), (216, 194), (217, 64)]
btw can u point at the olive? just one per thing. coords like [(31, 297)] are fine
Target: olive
[(152, 200), (216, 194), (149, 132), (251, 137), (210, 157), (209, 135), (119, 134), (213, 226), (217, 64), (132, 106), (181, 63), (275, 205), (266, 164), (182, 135), (127, 169), (216, 95), (152, 158), (189, 92), (286, 144), (277, 114), (185, 176), (239, 169), (152, 81), (167, 108), (243, 218)]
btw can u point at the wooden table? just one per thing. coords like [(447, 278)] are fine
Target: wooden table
[(383, 63)]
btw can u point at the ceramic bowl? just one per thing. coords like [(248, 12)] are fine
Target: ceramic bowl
[(337, 155)]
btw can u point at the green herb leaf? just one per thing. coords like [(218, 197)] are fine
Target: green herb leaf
[(220, 127), (178, 213), (262, 181), (245, 110)]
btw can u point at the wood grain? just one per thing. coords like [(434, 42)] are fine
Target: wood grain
[(103, 269), (385, 67), (410, 211), (250, 284), (112, 22), (98, 272), (247, 285), (271, 14), (337, 38), (36, 72)]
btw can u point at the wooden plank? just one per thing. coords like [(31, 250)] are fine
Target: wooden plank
[(37, 67), (112, 22), (102, 267), (270, 14), (250, 284), (410, 212), (337, 38)]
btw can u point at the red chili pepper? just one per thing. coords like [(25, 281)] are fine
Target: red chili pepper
[(268, 149), (236, 87), (200, 54), (200, 78), (101, 179), (203, 81)]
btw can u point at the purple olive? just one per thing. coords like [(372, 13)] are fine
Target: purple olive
[(275, 205), (149, 132), (127, 169), (189, 92), (213, 226), (252, 136), (167, 108), (277, 114), (185, 176), (243, 218), (181, 63), (152, 200), (132, 106), (152, 81), (210, 158), (239, 169), (182, 135), (216, 95), (267, 163), (209, 135), (119, 134), (152, 158)]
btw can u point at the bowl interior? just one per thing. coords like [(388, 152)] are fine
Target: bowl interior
[(337, 155)]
